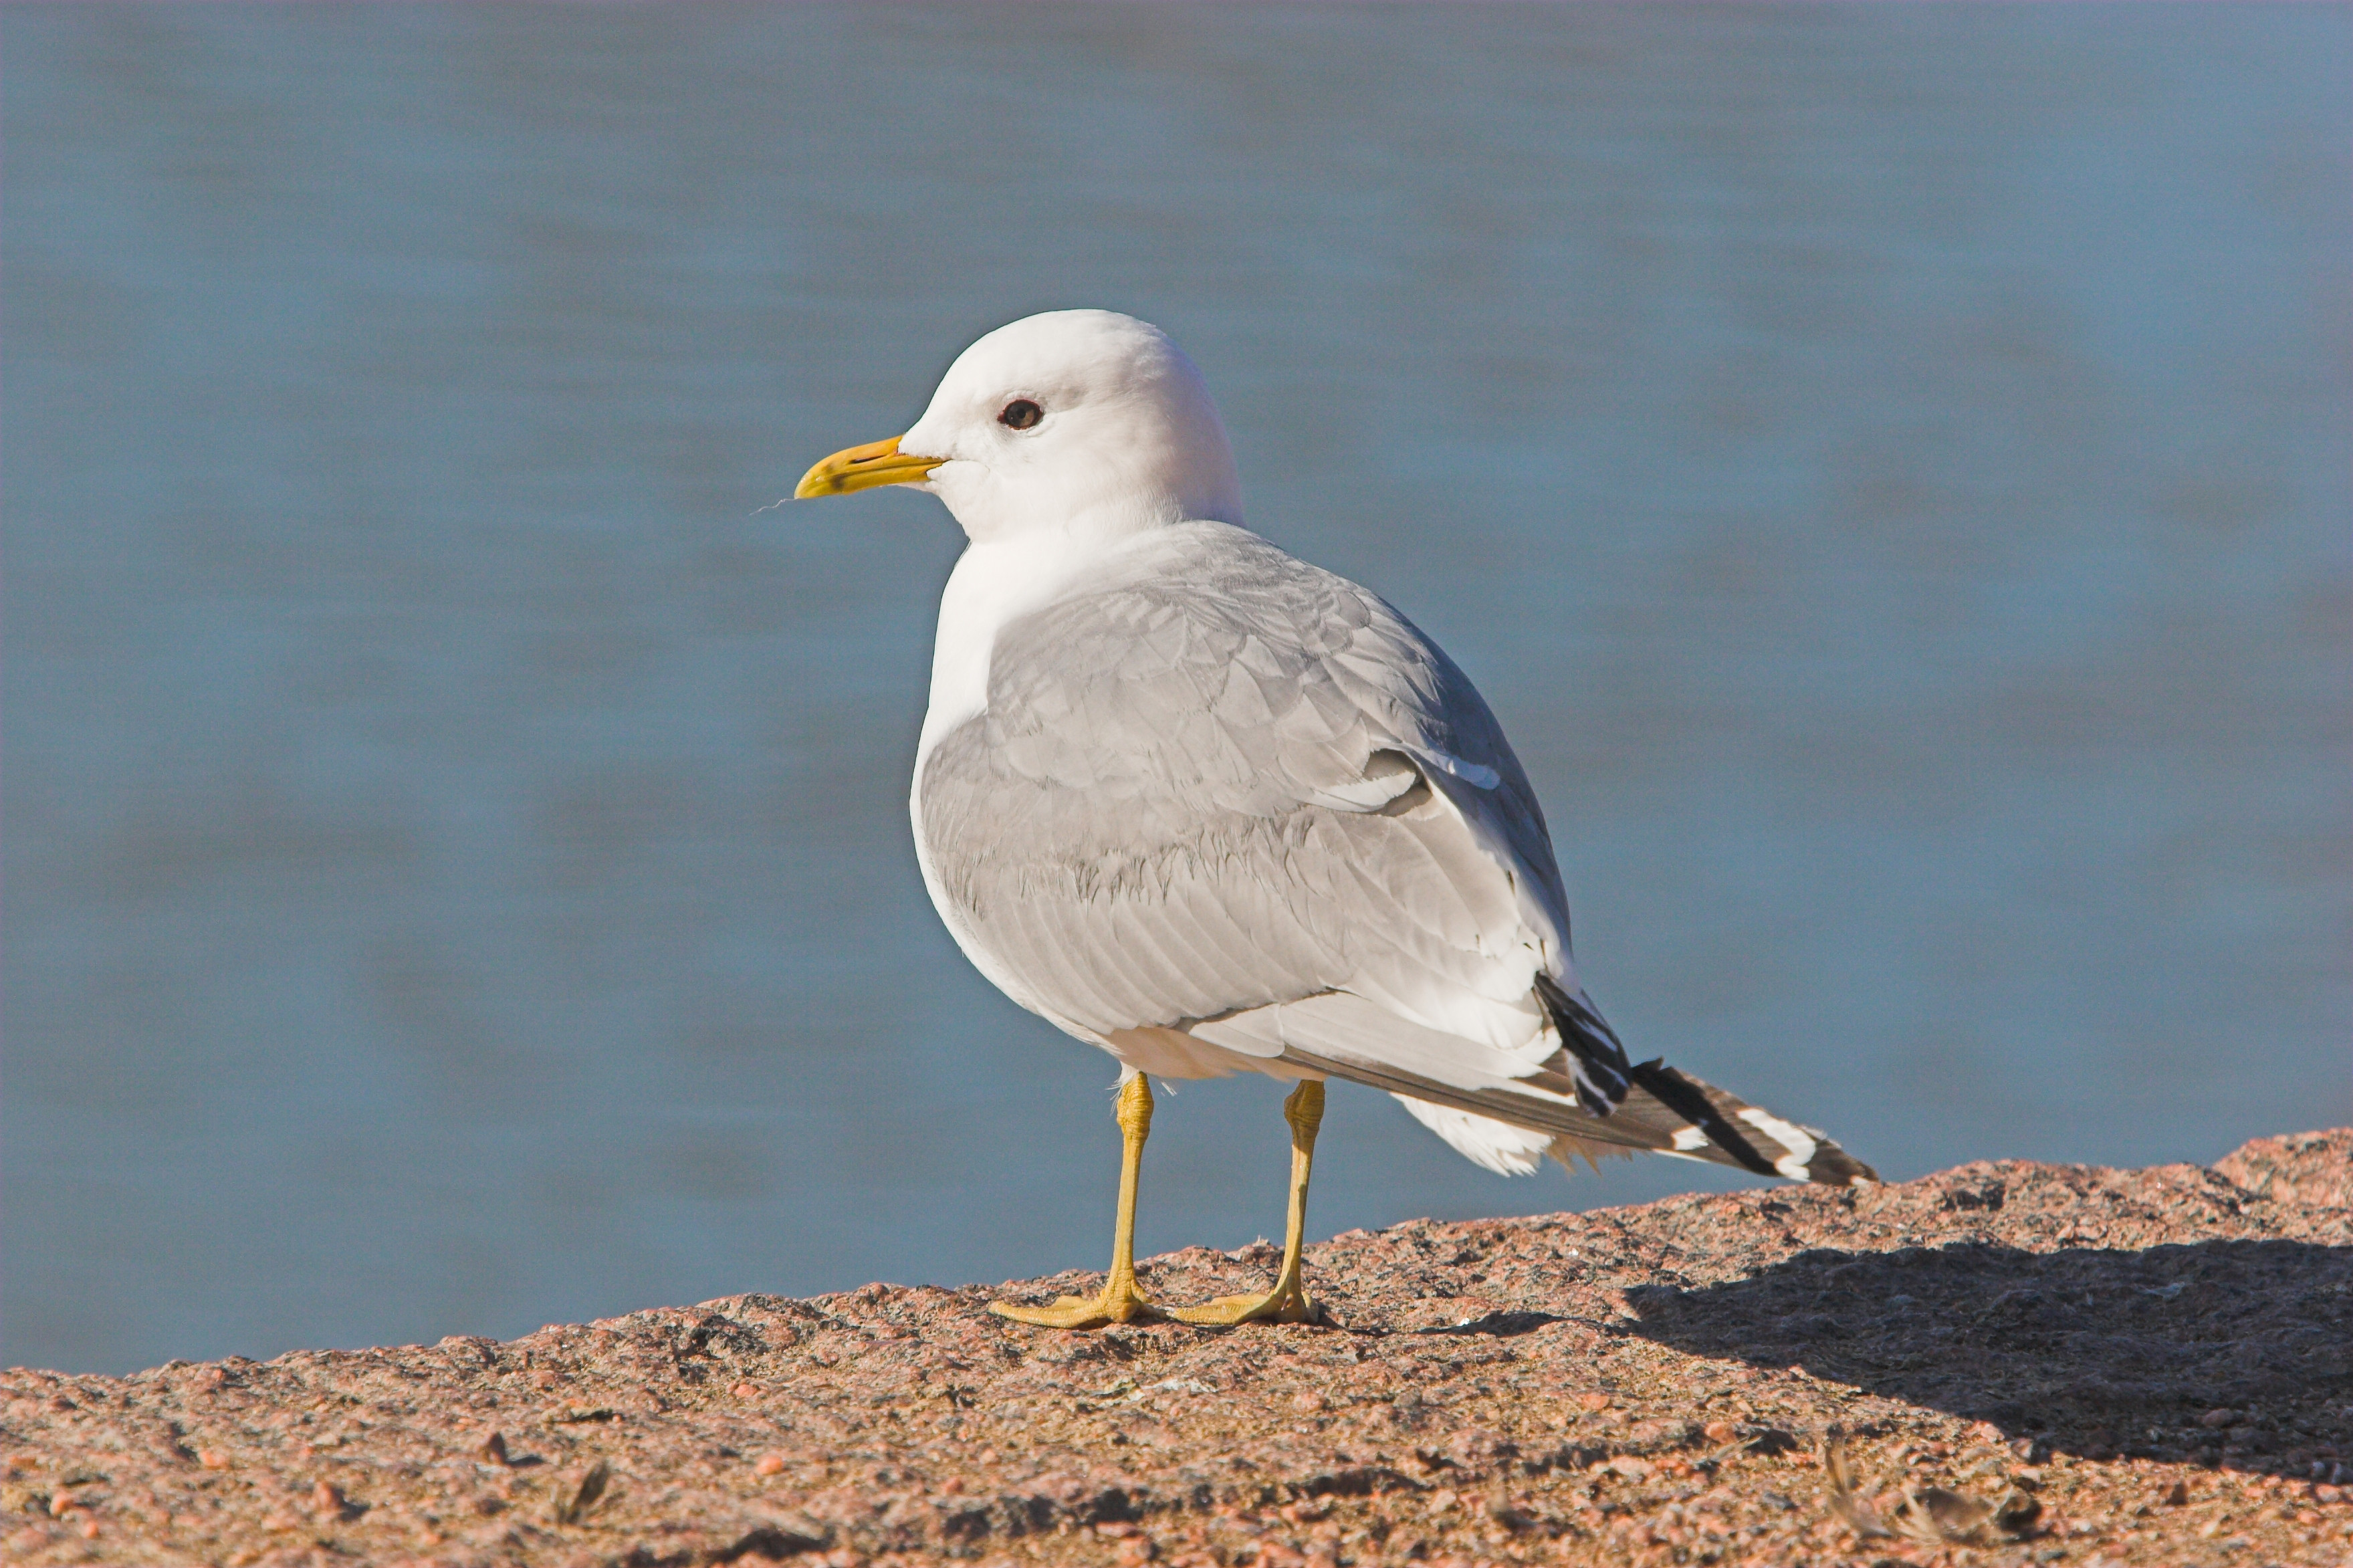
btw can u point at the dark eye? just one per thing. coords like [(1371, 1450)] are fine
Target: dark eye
[(1020, 414)]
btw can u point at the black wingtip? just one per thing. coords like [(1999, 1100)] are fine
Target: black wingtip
[(1686, 1099), (1598, 1060), (1832, 1166)]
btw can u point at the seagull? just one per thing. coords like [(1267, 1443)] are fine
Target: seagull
[(1213, 809)]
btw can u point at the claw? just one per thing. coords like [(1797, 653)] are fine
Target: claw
[(1280, 1305), (1128, 1305)]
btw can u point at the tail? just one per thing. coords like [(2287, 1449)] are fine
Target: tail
[(1590, 1099)]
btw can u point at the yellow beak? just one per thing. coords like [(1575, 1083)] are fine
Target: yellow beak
[(863, 468)]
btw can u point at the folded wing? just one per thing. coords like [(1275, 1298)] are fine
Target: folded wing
[(1228, 796)]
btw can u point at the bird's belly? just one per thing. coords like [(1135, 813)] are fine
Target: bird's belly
[(1178, 1053)]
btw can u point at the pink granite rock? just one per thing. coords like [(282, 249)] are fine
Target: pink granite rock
[(1648, 1384)]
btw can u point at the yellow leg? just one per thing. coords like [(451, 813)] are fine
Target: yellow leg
[(1287, 1302), (1121, 1301)]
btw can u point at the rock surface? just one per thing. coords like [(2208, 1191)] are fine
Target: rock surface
[(2156, 1360)]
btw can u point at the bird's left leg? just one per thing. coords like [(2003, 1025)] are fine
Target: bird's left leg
[(1287, 1302), (1122, 1301)]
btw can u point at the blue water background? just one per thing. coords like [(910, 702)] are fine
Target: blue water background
[(1887, 466)]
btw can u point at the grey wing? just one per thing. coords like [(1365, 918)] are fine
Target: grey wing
[(1246, 803), (1239, 785)]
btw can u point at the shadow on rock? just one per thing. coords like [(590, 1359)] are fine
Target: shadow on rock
[(2231, 1353)]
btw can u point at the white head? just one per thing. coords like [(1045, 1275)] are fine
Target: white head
[(1077, 420)]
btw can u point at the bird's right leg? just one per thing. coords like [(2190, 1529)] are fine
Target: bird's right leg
[(1287, 1302), (1121, 1301)]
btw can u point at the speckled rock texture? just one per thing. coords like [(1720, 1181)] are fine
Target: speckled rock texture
[(2156, 1360)]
